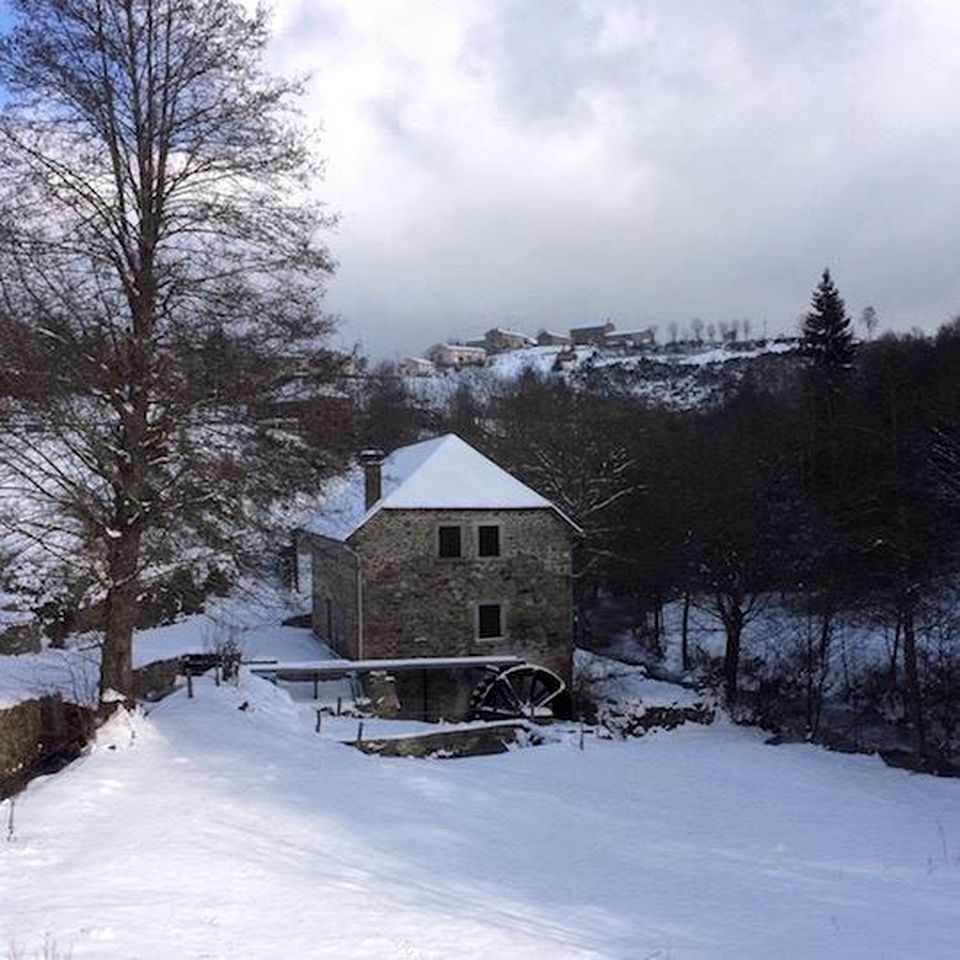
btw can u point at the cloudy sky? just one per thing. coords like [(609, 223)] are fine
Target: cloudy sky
[(532, 163)]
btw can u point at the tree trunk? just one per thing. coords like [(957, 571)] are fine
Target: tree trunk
[(733, 626), (823, 651), (895, 653), (808, 671), (914, 693), (684, 632), (658, 625), (116, 664)]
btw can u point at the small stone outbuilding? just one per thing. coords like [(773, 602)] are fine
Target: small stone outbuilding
[(438, 552)]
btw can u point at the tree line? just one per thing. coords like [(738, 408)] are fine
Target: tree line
[(835, 492)]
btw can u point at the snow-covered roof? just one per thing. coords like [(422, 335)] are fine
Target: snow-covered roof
[(512, 333), (593, 325), (445, 473)]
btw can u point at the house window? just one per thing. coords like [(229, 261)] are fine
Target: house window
[(449, 542), (488, 541), (489, 621)]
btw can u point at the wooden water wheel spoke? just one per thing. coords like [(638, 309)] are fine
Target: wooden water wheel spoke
[(516, 691)]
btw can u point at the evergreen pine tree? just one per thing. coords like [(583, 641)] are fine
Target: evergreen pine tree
[(827, 338)]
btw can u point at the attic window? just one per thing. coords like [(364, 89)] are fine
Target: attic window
[(449, 542), (488, 541), (489, 621)]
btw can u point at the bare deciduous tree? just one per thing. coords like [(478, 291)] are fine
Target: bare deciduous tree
[(156, 192)]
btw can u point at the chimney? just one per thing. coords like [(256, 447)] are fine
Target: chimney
[(371, 460)]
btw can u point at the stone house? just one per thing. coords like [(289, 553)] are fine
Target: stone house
[(631, 339), (438, 552), (416, 367), (550, 338), (593, 336), (457, 355), (498, 340)]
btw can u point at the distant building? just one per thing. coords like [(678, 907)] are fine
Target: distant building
[(416, 367), (549, 338), (456, 355), (502, 341), (591, 336), (632, 338)]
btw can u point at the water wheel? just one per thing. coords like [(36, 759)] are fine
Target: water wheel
[(525, 690)]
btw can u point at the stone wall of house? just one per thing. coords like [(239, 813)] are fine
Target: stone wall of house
[(335, 616), (416, 604)]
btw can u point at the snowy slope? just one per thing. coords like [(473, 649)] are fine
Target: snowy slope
[(672, 376), (206, 830)]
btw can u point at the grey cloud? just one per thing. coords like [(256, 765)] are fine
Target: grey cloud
[(735, 149)]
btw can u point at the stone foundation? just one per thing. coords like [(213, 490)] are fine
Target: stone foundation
[(423, 694)]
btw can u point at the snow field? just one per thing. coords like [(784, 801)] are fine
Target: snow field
[(205, 830)]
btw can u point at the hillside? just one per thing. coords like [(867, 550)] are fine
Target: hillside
[(673, 376)]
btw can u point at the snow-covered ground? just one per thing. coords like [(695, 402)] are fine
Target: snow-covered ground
[(223, 826), (74, 672)]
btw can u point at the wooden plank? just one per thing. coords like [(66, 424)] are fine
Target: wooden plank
[(333, 669)]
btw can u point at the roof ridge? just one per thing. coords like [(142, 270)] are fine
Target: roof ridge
[(438, 441), (440, 473)]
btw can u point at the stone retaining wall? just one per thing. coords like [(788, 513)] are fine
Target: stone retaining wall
[(449, 744), (34, 729), (49, 728), (155, 680)]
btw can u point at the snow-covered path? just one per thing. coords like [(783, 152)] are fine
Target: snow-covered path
[(204, 830)]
